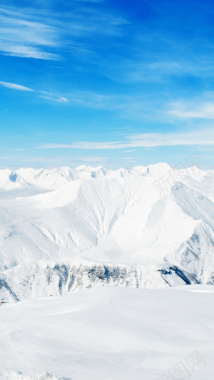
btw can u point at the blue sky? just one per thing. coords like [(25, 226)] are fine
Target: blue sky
[(115, 83)]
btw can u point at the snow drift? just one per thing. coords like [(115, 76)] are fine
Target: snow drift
[(106, 333)]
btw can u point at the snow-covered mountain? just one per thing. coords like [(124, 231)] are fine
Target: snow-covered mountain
[(65, 229)]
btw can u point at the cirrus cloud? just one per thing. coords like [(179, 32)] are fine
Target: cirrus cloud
[(15, 86)]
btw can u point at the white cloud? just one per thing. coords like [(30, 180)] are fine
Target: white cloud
[(204, 110), (60, 99), (63, 100), (144, 140), (15, 86), (28, 52), (49, 96), (24, 34), (29, 33)]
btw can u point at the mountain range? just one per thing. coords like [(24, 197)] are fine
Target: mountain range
[(144, 227)]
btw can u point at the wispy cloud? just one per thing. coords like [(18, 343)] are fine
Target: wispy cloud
[(158, 55), (90, 1), (144, 140), (136, 70), (47, 35), (203, 110), (23, 35), (157, 70), (126, 106), (41, 94), (60, 99), (93, 99), (15, 86), (17, 161)]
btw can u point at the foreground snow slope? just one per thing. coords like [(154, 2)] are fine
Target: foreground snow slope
[(110, 333), (65, 229)]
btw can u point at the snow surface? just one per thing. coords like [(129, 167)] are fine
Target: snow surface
[(65, 229), (110, 333)]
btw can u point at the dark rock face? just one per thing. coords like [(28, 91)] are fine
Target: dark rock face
[(187, 278), (13, 177), (60, 278), (5, 287)]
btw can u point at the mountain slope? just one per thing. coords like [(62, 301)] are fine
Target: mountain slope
[(87, 226)]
